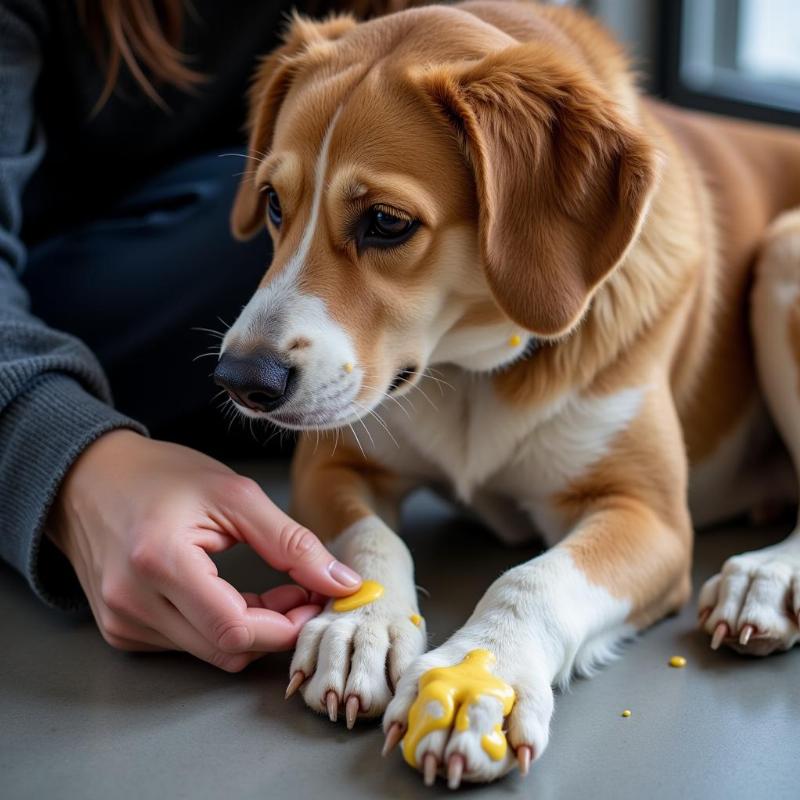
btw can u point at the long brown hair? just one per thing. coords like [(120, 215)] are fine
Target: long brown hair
[(145, 36)]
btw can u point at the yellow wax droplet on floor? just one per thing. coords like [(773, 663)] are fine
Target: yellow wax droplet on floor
[(453, 690), (416, 619), (677, 662), (515, 341), (348, 367), (626, 713), (368, 593)]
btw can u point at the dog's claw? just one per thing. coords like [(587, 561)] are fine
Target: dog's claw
[(524, 754), (393, 736), (351, 709), (295, 683), (332, 703), (720, 632), (455, 769), (429, 767), (746, 633), (703, 616)]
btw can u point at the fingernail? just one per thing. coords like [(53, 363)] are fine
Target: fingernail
[(343, 574)]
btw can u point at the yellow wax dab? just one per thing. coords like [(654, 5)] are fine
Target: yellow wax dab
[(457, 686), (368, 593), (494, 743), (416, 619)]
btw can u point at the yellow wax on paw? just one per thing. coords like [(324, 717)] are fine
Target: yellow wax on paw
[(454, 689), (515, 341), (348, 367), (494, 744), (368, 593), (626, 713), (416, 619), (677, 662)]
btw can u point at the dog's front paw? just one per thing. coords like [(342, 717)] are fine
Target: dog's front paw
[(752, 605), (465, 712), (354, 658)]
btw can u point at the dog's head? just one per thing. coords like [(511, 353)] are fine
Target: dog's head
[(436, 192)]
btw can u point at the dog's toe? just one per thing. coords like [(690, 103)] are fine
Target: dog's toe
[(347, 662), (752, 605), (488, 744), (325, 688)]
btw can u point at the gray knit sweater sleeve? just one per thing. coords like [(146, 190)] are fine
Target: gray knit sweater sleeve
[(54, 398)]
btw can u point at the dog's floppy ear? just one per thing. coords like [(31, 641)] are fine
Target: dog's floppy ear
[(304, 40), (563, 178)]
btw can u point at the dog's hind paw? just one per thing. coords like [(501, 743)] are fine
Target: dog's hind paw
[(350, 661), (753, 604), (460, 718)]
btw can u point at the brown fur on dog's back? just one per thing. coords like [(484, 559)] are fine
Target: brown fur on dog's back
[(751, 173)]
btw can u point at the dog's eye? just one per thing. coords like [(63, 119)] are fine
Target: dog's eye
[(274, 207), (384, 228), (388, 226)]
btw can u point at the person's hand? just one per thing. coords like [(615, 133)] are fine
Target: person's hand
[(138, 518)]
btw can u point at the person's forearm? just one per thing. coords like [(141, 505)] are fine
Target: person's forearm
[(42, 432), (54, 399)]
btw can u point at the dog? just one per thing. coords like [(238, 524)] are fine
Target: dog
[(476, 198)]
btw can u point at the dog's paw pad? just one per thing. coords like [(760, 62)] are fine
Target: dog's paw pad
[(752, 605)]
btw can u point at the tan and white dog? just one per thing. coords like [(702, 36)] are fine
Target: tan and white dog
[(610, 295)]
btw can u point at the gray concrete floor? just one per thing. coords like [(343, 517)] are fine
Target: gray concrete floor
[(79, 720)]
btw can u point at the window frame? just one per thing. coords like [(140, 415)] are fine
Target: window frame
[(729, 95)]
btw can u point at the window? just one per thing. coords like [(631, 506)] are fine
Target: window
[(734, 56)]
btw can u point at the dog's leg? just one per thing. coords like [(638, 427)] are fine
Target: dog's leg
[(753, 604), (354, 659), (625, 564)]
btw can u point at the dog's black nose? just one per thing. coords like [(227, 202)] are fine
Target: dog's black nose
[(260, 383)]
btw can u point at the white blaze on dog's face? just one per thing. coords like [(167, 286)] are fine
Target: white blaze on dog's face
[(383, 243)]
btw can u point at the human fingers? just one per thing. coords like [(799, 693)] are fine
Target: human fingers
[(185, 637), (221, 614), (285, 544), (280, 598)]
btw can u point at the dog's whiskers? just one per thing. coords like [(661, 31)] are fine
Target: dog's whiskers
[(422, 391), (381, 422), (428, 373), (218, 334), (241, 155), (358, 442), (215, 353), (363, 424), (387, 396)]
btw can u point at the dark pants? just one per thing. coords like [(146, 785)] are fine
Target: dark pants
[(135, 284)]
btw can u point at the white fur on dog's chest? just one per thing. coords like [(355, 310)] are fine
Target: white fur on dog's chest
[(482, 446)]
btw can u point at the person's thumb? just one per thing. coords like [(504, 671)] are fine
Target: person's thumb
[(288, 546)]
